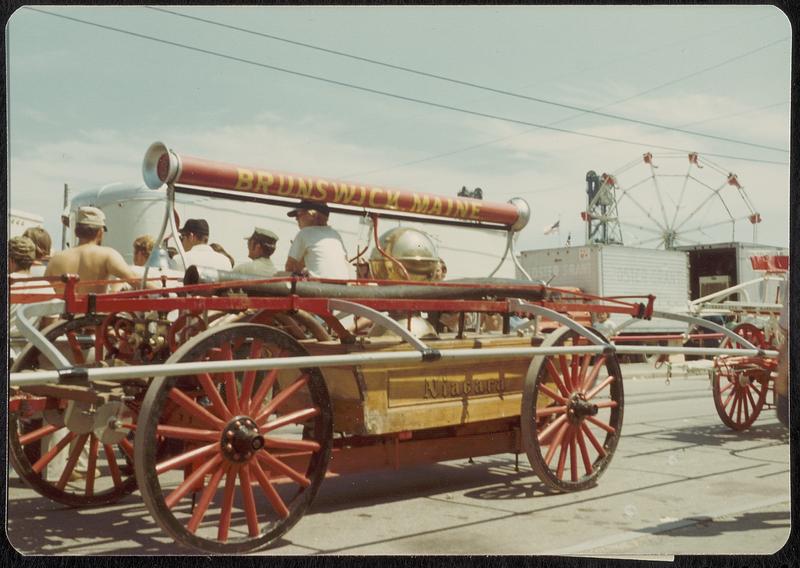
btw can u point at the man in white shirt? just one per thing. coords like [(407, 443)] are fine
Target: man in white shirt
[(260, 246), (194, 238), (317, 248)]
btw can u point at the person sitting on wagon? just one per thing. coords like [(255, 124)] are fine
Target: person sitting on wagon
[(41, 239), (142, 247), (317, 249), (194, 238), (21, 255), (260, 247), (89, 260)]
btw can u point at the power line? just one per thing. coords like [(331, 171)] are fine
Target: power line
[(369, 90), (500, 91)]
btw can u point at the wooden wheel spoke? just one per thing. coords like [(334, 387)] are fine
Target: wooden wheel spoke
[(249, 377), (227, 504), (739, 404), (205, 500), (263, 390), (72, 461), (127, 447), (42, 462), (229, 380), (191, 481), (546, 391), (283, 396), (598, 366), (292, 418), (593, 393), (551, 428), (587, 357), (187, 457), (195, 410), (38, 434), (277, 465), (187, 433), (587, 463), (249, 501), (726, 388), (573, 461), (266, 486), (116, 474), (210, 388), (593, 440), (562, 454), (556, 443), (550, 410), (745, 405), (602, 425), (607, 404), (729, 398), (574, 366), (284, 444), (553, 372), (93, 447), (562, 363)]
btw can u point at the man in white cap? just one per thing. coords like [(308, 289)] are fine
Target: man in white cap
[(90, 260), (260, 246), (194, 239), (317, 249)]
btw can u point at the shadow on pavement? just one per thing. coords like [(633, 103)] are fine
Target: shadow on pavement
[(492, 478), (704, 527), (718, 434)]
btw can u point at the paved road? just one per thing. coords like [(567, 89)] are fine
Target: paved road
[(680, 483)]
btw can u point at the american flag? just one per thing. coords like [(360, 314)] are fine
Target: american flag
[(552, 228)]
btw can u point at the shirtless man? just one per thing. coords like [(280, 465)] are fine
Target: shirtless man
[(89, 260)]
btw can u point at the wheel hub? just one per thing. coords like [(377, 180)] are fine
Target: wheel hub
[(241, 439), (578, 407)]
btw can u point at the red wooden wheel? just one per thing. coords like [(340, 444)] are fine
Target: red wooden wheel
[(571, 414), (739, 385), (243, 453), (71, 452)]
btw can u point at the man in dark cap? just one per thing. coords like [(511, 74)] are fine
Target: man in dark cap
[(90, 260), (317, 249), (194, 238), (260, 246)]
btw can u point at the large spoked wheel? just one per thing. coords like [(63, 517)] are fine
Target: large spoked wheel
[(69, 451), (244, 453), (571, 413), (740, 384)]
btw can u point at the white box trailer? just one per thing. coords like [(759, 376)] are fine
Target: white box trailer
[(612, 270), (19, 221), (133, 210), (717, 266)]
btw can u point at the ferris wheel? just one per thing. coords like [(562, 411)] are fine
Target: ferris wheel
[(665, 201)]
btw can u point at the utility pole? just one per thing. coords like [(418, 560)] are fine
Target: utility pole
[(63, 226)]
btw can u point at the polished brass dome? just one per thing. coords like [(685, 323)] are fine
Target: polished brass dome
[(412, 248)]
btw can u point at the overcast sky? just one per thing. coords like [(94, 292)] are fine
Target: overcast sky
[(86, 101)]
